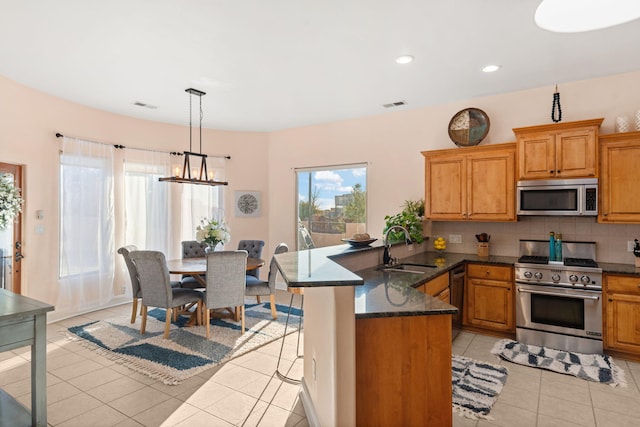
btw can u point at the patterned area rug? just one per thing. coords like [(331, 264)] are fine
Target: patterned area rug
[(592, 367), (187, 351), (476, 386)]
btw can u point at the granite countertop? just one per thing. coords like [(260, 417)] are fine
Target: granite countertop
[(381, 293)]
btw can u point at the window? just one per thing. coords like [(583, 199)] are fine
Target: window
[(331, 204)]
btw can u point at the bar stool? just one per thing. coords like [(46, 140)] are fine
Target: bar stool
[(293, 291)]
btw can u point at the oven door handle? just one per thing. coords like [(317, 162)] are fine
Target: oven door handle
[(559, 295)]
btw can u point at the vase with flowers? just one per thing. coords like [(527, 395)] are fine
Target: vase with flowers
[(10, 201), (212, 232)]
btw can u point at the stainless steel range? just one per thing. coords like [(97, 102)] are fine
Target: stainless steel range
[(559, 303)]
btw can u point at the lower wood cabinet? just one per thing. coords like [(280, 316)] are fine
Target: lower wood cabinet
[(489, 298), (622, 314), (438, 287)]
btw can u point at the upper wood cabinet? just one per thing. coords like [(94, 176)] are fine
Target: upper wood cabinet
[(619, 161), (474, 183), (560, 150)]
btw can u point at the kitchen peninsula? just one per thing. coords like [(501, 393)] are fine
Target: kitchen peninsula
[(376, 350)]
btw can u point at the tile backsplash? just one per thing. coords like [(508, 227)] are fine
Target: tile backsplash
[(611, 239)]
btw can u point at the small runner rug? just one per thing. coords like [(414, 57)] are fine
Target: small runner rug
[(592, 367), (187, 352), (476, 386)]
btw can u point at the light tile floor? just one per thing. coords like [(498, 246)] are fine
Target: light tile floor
[(87, 389), (539, 398)]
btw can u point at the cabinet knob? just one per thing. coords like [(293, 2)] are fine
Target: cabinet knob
[(558, 171), (610, 300), (551, 171)]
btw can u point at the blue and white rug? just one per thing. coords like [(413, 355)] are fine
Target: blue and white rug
[(476, 386), (187, 352), (591, 367)]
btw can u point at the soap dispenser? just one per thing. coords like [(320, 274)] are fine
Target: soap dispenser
[(558, 247)]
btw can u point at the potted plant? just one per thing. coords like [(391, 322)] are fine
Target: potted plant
[(411, 218)]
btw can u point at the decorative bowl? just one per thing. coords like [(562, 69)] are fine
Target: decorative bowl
[(359, 243)]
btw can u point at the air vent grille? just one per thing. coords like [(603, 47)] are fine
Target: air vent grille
[(394, 104), (142, 104)]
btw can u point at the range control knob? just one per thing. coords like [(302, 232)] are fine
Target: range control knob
[(555, 277), (538, 275), (585, 279), (573, 278), (528, 274)]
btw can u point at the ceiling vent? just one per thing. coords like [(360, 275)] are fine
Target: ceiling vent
[(394, 104), (142, 104)]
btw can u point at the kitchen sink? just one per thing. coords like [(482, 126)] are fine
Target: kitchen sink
[(409, 268)]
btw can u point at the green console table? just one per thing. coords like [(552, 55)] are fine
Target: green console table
[(23, 322)]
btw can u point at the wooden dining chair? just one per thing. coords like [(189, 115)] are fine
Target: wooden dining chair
[(225, 284), (156, 288)]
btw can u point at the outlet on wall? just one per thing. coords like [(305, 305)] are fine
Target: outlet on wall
[(455, 238), (630, 245)]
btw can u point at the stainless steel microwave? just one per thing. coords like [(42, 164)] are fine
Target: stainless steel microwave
[(562, 197)]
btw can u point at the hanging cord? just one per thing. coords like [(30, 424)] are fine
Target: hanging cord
[(190, 98), (201, 124), (556, 104)]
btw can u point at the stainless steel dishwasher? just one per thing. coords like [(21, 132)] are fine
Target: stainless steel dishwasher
[(456, 287)]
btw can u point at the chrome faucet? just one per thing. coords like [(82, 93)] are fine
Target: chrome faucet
[(386, 257)]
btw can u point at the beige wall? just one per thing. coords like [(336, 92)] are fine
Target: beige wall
[(28, 122)]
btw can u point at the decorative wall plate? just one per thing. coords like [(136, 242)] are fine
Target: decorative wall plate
[(469, 127), (247, 203)]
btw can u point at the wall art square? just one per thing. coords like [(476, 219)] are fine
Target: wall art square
[(247, 204)]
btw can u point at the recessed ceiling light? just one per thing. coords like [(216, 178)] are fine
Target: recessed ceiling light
[(491, 68), (404, 59), (574, 16)]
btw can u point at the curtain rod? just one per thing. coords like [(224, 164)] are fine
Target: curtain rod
[(173, 153)]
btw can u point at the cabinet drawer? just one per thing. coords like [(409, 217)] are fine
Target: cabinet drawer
[(484, 271), (435, 286), (623, 284)]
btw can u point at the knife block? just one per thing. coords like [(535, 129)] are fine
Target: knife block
[(483, 249)]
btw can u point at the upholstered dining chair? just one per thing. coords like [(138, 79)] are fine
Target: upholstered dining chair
[(225, 284), (192, 249), (260, 288), (135, 282), (155, 284), (254, 250)]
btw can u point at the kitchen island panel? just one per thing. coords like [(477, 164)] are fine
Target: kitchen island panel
[(403, 371)]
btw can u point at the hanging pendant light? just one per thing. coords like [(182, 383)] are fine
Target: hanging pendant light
[(202, 177)]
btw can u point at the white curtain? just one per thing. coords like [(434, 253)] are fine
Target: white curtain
[(110, 198), (87, 253), (148, 213)]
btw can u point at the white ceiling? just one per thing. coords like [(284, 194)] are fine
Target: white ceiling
[(275, 64)]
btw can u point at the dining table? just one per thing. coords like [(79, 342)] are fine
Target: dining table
[(197, 268)]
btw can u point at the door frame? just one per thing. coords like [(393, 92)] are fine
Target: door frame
[(16, 171)]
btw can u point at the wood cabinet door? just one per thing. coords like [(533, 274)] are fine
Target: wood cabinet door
[(536, 156), (445, 189), (490, 304), (576, 154), (622, 330), (491, 186), (619, 157)]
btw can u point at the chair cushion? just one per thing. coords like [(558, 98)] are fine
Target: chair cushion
[(183, 296), (175, 284), (191, 282), (257, 289)]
